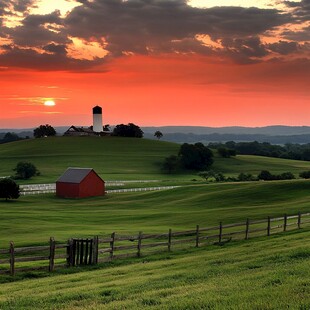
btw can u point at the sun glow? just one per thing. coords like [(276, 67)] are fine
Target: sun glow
[(49, 103)]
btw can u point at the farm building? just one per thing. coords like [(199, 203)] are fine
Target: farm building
[(80, 183)]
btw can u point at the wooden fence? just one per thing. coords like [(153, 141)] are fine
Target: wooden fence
[(91, 251)]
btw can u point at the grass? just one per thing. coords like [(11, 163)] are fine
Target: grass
[(266, 273), (33, 219), (263, 273), (116, 158), (113, 158)]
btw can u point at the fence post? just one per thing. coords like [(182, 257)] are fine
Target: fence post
[(197, 236), (12, 259), (139, 243), (247, 229), (221, 231), (95, 250), (268, 227), (112, 245), (285, 222), (52, 255), (70, 257), (299, 220), (87, 243), (81, 251), (169, 240), (91, 251)]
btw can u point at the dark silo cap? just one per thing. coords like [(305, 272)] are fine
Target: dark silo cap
[(97, 110)]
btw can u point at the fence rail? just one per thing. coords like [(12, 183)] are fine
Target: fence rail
[(79, 251), (51, 188)]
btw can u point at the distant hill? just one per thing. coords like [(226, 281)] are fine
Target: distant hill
[(277, 130), (273, 134), (116, 158)]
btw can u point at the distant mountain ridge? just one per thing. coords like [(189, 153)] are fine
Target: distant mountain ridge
[(276, 134), (273, 130)]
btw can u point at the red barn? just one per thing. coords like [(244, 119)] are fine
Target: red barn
[(80, 183)]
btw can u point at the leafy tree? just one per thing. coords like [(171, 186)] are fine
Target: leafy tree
[(225, 152), (195, 156), (130, 130), (9, 189), (10, 137), (246, 177), (306, 154), (158, 134), (286, 176), (44, 131), (305, 174), (171, 164), (25, 170), (265, 175), (210, 174)]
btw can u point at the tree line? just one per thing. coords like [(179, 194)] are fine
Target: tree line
[(287, 151)]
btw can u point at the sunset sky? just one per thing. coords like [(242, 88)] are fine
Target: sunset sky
[(155, 62)]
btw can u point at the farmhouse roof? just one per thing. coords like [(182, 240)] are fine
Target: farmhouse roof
[(80, 129), (75, 175)]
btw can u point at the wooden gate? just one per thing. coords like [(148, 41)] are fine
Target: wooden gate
[(82, 252)]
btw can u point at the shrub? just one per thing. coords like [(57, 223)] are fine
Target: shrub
[(25, 170), (9, 189), (246, 177), (305, 174), (265, 175), (286, 176)]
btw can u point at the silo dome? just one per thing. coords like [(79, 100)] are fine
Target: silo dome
[(97, 110), (97, 119)]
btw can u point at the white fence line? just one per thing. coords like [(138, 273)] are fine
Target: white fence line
[(144, 189), (126, 190)]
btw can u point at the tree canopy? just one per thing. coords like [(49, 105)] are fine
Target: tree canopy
[(195, 156), (9, 189), (25, 170), (130, 130), (44, 131), (158, 134)]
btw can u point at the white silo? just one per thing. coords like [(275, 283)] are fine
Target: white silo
[(97, 119)]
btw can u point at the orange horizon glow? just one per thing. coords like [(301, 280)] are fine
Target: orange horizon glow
[(204, 71), (148, 92)]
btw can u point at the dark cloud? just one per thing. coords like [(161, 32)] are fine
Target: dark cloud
[(55, 49), (33, 33), (136, 25), (28, 58), (244, 50), (301, 35), (147, 27), (284, 47), (22, 5), (301, 9)]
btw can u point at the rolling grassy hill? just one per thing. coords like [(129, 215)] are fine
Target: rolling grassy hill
[(264, 273), (117, 158), (33, 219)]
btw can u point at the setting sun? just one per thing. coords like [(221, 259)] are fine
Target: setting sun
[(49, 103)]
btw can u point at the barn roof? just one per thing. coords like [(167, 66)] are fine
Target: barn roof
[(75, 175)]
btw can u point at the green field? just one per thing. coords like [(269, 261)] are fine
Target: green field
[(33, 219), (117, 158), (263, 273)]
